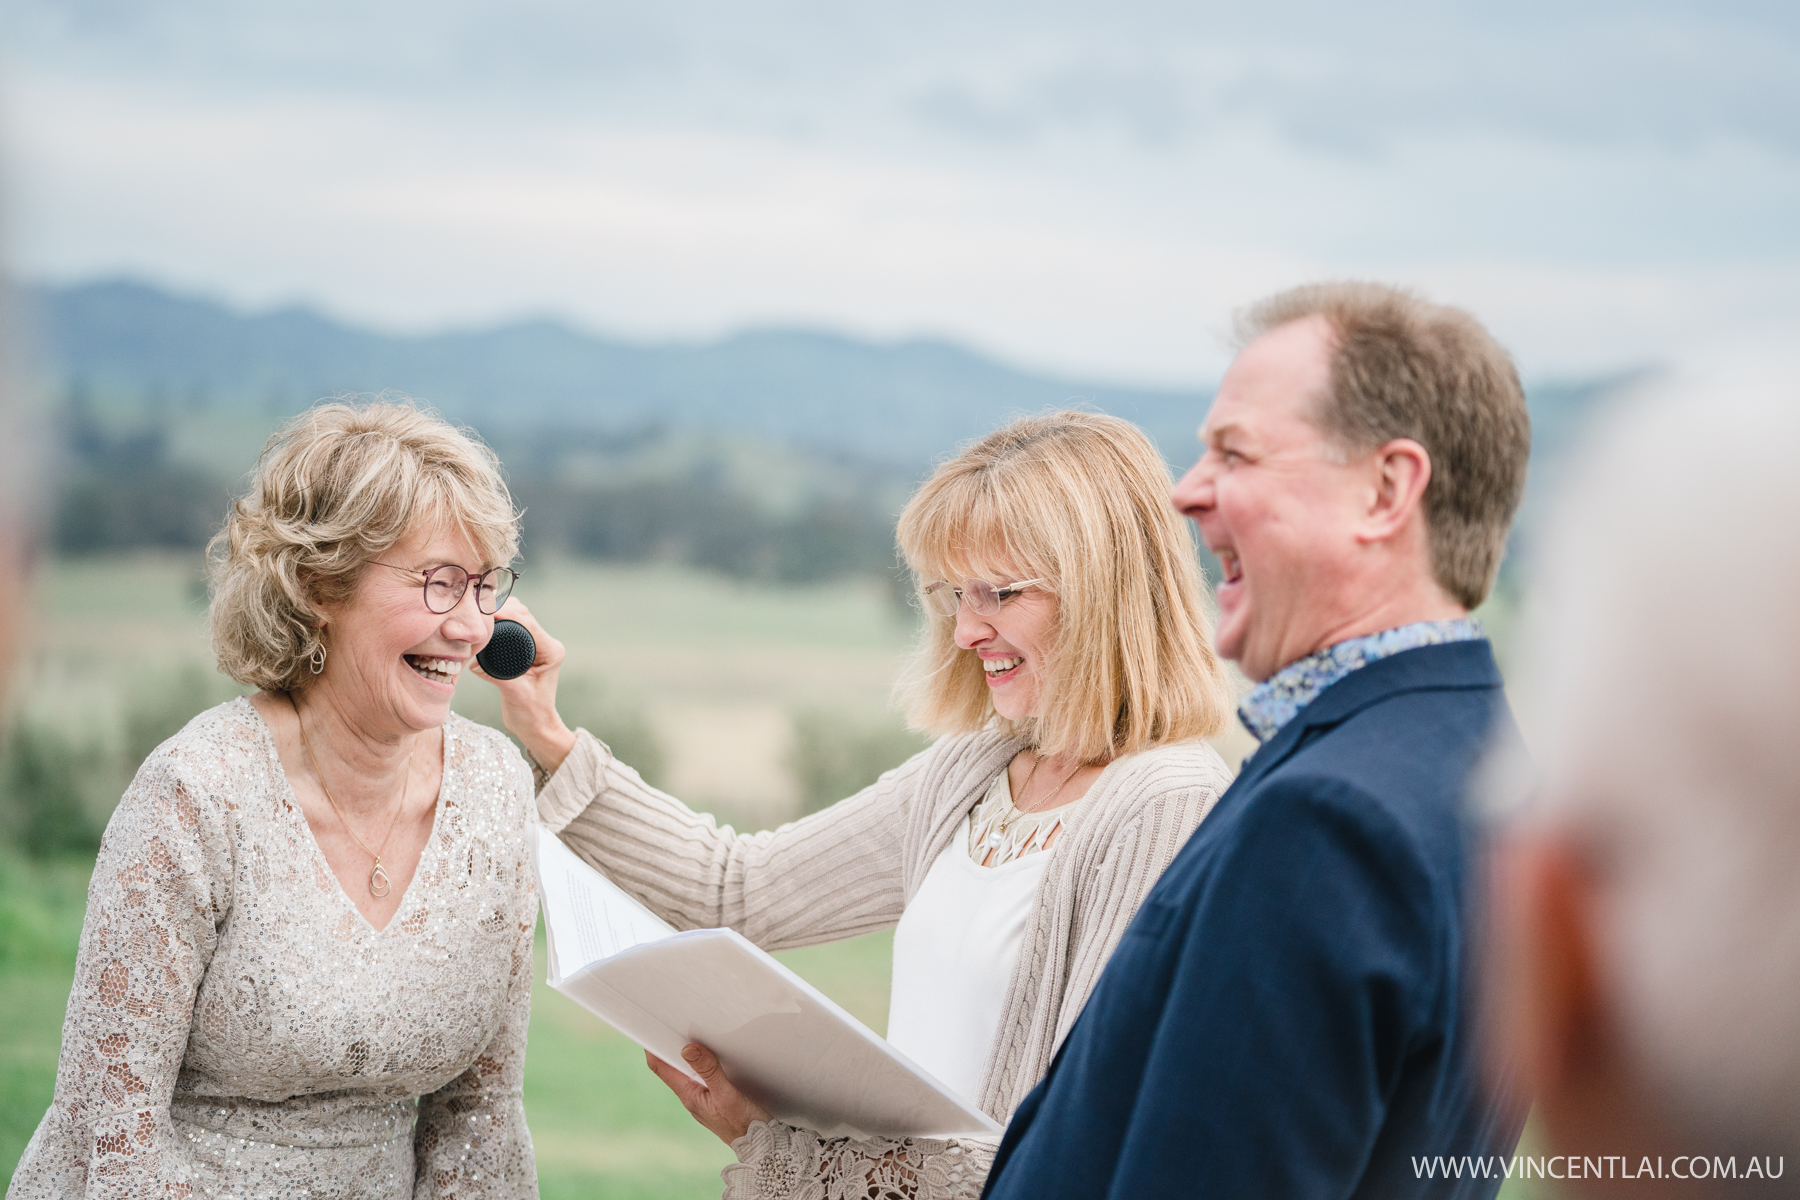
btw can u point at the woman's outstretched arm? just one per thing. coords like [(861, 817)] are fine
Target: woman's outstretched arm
[(835, 874)]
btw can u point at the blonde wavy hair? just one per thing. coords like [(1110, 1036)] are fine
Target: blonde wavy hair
[(335, 487), (1080, 500)]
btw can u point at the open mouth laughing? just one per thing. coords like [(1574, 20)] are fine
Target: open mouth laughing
[(438, 670), (1001, 668)]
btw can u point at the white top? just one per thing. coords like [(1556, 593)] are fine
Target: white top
[(955, 947)]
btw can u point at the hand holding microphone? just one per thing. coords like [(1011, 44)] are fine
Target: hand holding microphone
[(523, 660), (510, 652)]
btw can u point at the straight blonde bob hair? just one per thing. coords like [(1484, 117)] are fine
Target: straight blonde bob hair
[(335, 487), (1080, 500)]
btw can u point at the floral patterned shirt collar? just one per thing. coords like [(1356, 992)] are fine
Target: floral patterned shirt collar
[(1278, 699)]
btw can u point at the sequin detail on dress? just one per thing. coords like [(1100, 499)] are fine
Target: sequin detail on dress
[(237, 1028)]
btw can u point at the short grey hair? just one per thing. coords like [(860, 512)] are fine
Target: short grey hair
[(1661, 693), (337, 486)]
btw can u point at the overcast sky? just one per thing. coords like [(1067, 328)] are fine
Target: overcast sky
[(1084, 188)]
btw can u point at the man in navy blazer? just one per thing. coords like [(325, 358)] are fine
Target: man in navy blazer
[(1288, 1015)]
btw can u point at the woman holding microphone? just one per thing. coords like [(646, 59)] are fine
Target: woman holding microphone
[(1067, 666), (305, 968)]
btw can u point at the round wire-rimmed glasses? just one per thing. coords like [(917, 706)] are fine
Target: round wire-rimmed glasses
[(445, 585), (982, 597)]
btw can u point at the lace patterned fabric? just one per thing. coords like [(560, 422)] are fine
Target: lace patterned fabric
[(237, 1028), (779, 1162)]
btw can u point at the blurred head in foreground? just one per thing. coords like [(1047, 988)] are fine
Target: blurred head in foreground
[(21, 484), (1646, 951)]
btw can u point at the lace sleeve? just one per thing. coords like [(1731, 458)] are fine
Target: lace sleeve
[(160, 884), (471, 1139), (777, 1161)]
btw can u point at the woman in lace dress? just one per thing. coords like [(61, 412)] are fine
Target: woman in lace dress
[(1067, 662), (306, 964)]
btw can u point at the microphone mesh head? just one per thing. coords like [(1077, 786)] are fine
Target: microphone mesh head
[(509, 653)]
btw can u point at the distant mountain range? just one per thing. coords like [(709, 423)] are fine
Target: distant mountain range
[(901, 403), (864, 416)]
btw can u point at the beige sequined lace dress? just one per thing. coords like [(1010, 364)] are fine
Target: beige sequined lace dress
[(237, 1028)]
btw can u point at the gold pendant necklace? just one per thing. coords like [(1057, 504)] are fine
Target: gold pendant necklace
[(1014, 812), (1018, 811), (379, 883)]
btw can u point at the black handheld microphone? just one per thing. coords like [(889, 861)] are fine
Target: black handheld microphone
[(509, 653)]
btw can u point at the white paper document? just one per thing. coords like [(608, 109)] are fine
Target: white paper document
[(782, 1042)]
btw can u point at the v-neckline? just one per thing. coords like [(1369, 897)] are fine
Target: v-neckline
[(292, 800)]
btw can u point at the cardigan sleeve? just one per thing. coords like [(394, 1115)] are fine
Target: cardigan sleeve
[(834, 874)]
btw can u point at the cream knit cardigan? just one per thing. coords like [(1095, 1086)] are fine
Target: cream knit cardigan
[(851, 869)]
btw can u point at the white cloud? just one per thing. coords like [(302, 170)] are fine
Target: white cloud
[(1081, 193)]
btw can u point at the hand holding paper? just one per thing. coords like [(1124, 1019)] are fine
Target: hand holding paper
[(785, 1045), (714, 1101)]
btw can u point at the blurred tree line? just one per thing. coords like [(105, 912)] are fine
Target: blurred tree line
[(703, 526), (124, 484), (832, 756), (60, 779), (120, 488)]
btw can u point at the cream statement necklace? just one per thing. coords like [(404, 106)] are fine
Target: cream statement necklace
[(1001, 831), (379, 883)]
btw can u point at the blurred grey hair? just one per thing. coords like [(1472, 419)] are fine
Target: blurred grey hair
[(335, 487), (1662, 696)]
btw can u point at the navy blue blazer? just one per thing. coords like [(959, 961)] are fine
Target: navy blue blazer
[(1286, 1016)]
